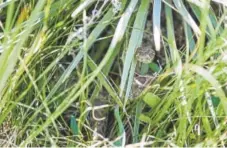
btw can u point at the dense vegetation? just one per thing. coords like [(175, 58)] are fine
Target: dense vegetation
[(69, 76)]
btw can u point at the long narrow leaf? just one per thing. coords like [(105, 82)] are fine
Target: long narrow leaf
[(157, 23)]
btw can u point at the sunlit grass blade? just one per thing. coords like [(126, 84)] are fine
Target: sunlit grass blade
[(81, 7), (8, 59), (186, 16), (157, 7)]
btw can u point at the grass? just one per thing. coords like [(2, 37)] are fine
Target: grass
[(67, 73)]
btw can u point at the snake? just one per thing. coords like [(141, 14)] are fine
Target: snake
[(145, 54)]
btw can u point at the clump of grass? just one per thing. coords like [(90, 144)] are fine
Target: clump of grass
[(68, 68)]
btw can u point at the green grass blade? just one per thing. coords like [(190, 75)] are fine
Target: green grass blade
[(120, 30), (137, 122), (121, 130), (207, 76), (134, 42)]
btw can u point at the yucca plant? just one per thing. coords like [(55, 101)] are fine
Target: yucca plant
[(69, 73)]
